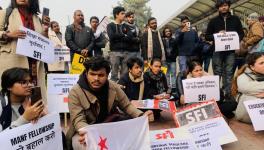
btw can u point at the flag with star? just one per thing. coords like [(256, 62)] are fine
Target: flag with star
[(131, 134)]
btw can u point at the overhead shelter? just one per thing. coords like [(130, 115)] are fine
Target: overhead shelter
[(201, 11)]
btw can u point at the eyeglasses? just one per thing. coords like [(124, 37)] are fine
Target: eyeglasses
[(25, 83)]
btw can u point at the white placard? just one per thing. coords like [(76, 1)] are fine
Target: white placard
[(59, 86), (177, 138), (227, 41), (43, 135), (215, 128), (62, 54), (201, 89), (36, 46), (102, 26), (255, 109)]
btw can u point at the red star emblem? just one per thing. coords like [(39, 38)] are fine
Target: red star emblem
[(102, 143)]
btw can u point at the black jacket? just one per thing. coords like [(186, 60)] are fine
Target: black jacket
[(232, 23), (77, 41), (187, 42), (131, 88), (99, 43), (171, 50), (120, 36), (151, 88), (157, 51), (133, 44)]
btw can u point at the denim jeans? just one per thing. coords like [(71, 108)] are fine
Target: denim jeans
[(206, 62), (171, 74), (239, 62), (183, 63), (223, 63), (119, 59)]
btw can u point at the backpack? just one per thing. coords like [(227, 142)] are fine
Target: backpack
[(6, 114), (6, 22), (8, 13)]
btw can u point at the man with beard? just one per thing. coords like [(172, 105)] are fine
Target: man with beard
[(79, 37), (133, 81), (152, 45), (94, 99), (223, 61)]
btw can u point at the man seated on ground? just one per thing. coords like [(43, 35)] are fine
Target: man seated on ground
[(94, 100), (133, 81)]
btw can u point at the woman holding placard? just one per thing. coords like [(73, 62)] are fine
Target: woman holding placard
[(195, 70), (21, 13), (249, 84), (58, 39)]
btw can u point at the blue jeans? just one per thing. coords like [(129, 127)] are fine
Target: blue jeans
[(119, 59), (223, 63), (183, 63), (206, 62), (239, 62), (171, 74)]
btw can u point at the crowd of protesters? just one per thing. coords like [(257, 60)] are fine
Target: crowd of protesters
[(95, 98)]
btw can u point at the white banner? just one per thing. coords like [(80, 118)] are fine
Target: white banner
[(227, 41), (59, 86), (201, 89), (215, 128), (62, 54), (44, 135), (255, 109), (177, 138), (132, 134), (36, 46)]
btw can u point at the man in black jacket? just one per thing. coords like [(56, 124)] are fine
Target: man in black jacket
[(171, 53), (223, 61), (99, 38), (152, 45), (133, 45), (120, 37), (133, 82), (79, 37), (187, 40)]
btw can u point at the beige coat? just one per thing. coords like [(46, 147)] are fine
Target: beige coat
[(84, 111), (249, 88), (254, 35), (8, 56), (58, 66)]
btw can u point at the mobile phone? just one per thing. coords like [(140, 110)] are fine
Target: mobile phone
[(45, 12), (35, 95)]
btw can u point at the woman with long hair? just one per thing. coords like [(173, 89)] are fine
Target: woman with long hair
[(21, 13), (249, 84)]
